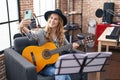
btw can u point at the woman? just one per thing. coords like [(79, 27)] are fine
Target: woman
[(53, 32)]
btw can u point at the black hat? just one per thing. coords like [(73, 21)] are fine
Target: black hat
[(56, 11)]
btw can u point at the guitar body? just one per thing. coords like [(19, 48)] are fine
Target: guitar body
[(41, 55), (46, 54)]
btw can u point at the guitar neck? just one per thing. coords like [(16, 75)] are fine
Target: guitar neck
[(62, 48), (87, 40)]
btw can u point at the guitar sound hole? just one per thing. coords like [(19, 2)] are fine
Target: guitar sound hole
[(46, 54)]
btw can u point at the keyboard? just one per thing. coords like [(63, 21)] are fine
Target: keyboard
[(114, 34)]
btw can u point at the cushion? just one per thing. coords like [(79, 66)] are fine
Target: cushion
[(21, 42)]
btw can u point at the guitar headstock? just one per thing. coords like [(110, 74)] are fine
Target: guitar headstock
[(87, 40)]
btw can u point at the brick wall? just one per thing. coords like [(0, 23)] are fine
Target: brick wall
[(89, 9), (25, 5)]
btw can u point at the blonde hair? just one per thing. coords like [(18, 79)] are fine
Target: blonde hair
[(59, 32)]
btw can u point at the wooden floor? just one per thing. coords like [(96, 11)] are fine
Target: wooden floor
[(112, 70)]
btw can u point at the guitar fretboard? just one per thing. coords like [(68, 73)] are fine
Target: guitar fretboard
[(62, 48), (87, 40)]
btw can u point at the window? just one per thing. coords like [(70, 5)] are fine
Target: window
[(9, 20), (40, 7)]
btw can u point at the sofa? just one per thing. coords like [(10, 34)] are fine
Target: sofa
[(18, 68)]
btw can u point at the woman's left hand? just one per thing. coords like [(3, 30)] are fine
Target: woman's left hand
[(75, 45)]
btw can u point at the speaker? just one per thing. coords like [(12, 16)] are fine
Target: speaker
[(107, 17)]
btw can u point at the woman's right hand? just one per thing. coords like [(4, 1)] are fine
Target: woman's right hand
[(25, 23)]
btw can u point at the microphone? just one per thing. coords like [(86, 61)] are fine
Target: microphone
[(118, 15), (99, 12), (113, 13)]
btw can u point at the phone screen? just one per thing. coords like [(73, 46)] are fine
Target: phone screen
[(28, 14)]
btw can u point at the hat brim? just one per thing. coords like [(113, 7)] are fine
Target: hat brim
[(48, 13)]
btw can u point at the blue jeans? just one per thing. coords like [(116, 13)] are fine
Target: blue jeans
[(50, 70)]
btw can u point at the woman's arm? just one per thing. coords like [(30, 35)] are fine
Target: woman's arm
[(24, 26), (29, 33), (74, 45)]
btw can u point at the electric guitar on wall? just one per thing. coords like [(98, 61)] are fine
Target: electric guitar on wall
[(48, 53)]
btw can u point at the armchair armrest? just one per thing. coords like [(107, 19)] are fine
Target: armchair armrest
[(17, 67)]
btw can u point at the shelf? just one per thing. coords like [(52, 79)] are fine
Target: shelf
[(74, 12)]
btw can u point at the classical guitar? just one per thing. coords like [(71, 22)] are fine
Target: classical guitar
[(46, 54)]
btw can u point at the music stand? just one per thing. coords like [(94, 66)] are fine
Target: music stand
[(79, 63)]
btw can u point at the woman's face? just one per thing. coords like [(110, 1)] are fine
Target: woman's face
[(53, 20)]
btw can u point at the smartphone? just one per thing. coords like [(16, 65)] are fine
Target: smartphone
[(28, 14)]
